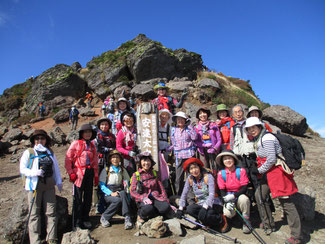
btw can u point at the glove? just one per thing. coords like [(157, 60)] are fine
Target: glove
[(211, 150), (96, 181), (202, 214), (146, 201), (132, 154), (230, 206), (73, 177), (229, 198), (179, 214), (207, 144), (39, 173), (59, 187)]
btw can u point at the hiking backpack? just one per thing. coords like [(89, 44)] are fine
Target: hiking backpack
[(224, 175), (292, 150), (205, 179)]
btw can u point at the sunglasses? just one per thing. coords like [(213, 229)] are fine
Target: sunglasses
[(40, 138)]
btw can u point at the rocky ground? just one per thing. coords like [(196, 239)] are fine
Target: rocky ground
[(310, 179)]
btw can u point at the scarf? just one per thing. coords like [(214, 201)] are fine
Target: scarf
[(129, 134), (225, 120), (40, 148), (163, 101)]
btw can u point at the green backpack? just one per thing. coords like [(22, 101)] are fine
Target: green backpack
[(139, 183)]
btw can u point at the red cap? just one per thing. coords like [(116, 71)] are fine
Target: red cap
[(192, 160)]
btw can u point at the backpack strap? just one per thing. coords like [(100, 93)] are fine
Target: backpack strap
[(190, 180), (205, 178), (223, 174), (238, 173)]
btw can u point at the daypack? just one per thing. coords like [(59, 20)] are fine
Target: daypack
[(205, 179), (292, 150), (74, 112), (139, 182), (224, 176)]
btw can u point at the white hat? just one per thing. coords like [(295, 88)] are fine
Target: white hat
[(251, 121), (180, 114), (168, 112)]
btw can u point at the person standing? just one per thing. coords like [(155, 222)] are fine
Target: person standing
[(81, 163), (225, 123), (40, 167), (73, 117)]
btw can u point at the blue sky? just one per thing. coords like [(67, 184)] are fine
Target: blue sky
[(277, 45)]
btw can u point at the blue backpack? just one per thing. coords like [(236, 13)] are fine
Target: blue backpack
[(224, 177)]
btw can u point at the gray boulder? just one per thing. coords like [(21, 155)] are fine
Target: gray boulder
[(179, 86), (118, 92), (174, 226), (13, 134), (61, 116), (154, 228), (200, 239), (286, 119), (76, 66), (13, 114), (87, 112), (73, 135), (60, 102), (188, 224), (77, 237), (154, 81), (3, 130), (29, 133), (143, 91), (58, 136), (209, 83)]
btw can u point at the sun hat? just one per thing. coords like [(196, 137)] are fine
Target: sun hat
[(204, 109), (165, 110), (222, 107), (87, 127), (251, 121), (252, 108), (191, 161), (127, 113), (123, 99), (115, 152), (102, 120), (145, 155), (182, 115), (40, 133), (161, 86), (226, 152)]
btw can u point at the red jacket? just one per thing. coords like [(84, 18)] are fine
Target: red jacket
[(225, 126), (76, 160)]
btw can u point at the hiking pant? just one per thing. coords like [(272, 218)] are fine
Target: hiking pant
[(208, 160), (212, 217), (83, 197), (97, 192), (180, 174), (292, 217), (115, 204), (147, 211), (242, 204), (262, 196), (45, 196), (74, 123)]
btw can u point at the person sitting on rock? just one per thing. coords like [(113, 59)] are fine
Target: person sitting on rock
[(113, 182), (73, 117), (125, 141), (232, 182), (40, 167), (105, 142), (163, 101), (208, 142), (81, 163), (254, 111), (225, 123), (122, 106), (182, 143), (207, 207), (148, 191)]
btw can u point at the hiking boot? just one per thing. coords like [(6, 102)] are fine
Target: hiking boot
[(246, 230), (127, 223), (104, 222), (292, 240), (224, 226), (87, 224)]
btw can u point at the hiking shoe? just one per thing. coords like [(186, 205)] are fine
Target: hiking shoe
[(127, 223), (246, 230), (224, 226), (104, 222), (292, 240), (87, 224)]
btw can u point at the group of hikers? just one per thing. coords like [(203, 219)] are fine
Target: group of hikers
[(220, 168)]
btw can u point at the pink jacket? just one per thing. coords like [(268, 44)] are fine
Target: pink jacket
[(121, 145), (232, 183), (76, 160)]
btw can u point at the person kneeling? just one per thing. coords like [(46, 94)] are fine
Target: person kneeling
[(232, 182), (113, 181), (148, 191), (203, 185)]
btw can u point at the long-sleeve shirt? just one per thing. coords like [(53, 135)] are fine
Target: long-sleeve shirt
[(116, 177), (183, 142), (151, 186), (232, 184), (121, 145), (215, 137)]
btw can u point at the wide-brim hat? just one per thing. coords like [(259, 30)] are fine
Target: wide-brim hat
[(102, 120), (222, 107), (115, 152), (205, 110), (251, 121), (165, 110), (40, 133), (144, 155), (252, 108), (123, 99), (160, 85), (85, 127), (129, 114), (192, 161), (182, 115), (226, 152)]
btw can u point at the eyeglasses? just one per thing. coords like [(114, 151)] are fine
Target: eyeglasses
[(40, 138)]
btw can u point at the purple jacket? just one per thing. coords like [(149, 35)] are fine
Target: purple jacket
[(211, 131)]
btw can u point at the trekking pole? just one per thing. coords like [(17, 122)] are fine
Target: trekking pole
[(73, 207), (255, 234), (29, 213), (211, 230)]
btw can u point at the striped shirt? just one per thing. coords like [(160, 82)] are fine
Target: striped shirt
[(271, 147)]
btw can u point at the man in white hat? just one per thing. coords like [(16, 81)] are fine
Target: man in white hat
[(182, 139)]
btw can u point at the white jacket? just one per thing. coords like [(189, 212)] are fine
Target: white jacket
[(31, 179)]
